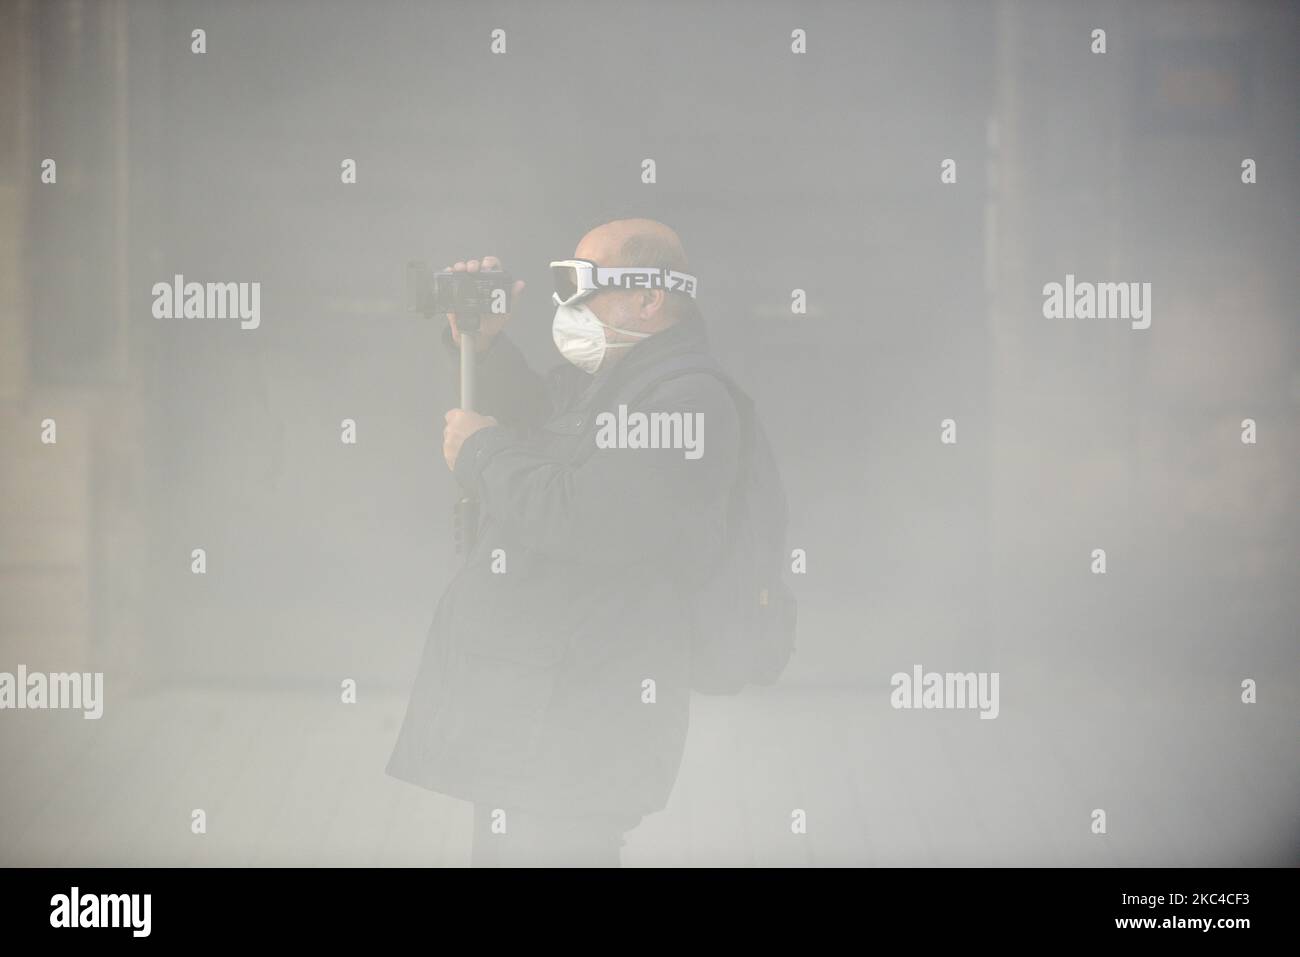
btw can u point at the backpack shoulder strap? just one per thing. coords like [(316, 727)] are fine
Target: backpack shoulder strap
[(689, 363), (642, 383)]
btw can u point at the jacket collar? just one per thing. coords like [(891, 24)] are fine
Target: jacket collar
[(686, 335)]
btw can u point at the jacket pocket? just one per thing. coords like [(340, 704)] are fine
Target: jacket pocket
[(565, 434), (518, 616)]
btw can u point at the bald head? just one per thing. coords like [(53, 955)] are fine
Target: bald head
[(637, 242), (633, 242)]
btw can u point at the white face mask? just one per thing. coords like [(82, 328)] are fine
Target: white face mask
[(580, 336)]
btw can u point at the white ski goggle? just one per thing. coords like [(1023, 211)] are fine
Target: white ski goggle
[(578, 278)]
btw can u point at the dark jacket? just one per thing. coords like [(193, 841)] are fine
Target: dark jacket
[(530, 690)]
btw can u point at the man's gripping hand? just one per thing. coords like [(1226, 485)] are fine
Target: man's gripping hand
[(490, 324), (460, 425)]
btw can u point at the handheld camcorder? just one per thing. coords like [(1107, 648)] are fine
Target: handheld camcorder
[(470, 295)]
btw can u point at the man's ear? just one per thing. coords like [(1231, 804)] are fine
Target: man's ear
[(652, 303)]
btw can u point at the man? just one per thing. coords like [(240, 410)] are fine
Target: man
[(554, 687)]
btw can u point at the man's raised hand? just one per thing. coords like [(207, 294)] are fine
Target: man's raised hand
[(491, 323)]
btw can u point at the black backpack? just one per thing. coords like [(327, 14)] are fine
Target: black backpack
[(743, 616)]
